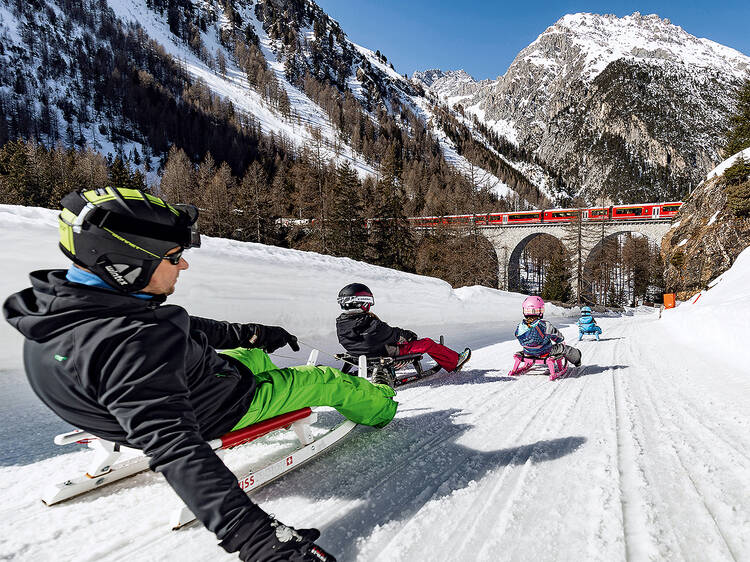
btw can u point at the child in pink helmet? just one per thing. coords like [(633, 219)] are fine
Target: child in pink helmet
[(539, 337)]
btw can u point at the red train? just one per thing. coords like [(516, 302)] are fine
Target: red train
[(645, 211)]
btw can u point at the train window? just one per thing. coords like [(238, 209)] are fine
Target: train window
[(564, 214), (670, 208), (598, 213), (630, 211), (523, 216)]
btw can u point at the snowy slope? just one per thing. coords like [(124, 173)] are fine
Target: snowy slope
[(235, 87), (645, 454), (720, 313), (721, 168)]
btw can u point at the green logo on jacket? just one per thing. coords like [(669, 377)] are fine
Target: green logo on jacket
[(60, 358)]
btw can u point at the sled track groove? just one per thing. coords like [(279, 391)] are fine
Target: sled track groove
[(632, 503), (687, 472), (517, 479)]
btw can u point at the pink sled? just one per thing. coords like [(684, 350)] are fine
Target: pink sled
[(558, 366)]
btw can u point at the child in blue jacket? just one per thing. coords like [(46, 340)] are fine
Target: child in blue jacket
[(587, 324)]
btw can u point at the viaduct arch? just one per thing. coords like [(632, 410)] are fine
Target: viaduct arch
[(510, 240)]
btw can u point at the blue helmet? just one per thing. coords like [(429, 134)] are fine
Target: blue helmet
[(585, 310)]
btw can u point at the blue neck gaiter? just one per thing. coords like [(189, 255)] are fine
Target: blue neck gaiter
[(78, 275)]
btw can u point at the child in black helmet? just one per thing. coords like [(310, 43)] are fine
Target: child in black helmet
[(360, 332)]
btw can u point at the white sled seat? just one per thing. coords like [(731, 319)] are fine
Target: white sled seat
[(106, 469)]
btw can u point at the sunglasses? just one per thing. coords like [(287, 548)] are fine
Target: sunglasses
[(175, 258)]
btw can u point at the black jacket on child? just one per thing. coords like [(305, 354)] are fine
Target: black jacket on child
[(363, 333)]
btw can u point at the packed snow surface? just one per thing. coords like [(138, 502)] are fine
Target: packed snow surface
[(642, 454)]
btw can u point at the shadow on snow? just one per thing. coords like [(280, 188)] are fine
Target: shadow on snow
[(396, 471)]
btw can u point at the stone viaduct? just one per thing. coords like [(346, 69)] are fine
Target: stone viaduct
[(510, 240)]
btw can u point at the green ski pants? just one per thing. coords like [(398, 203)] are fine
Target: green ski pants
[(284, 390)]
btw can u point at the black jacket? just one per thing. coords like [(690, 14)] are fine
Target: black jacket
[(363, 333), (137, 373)]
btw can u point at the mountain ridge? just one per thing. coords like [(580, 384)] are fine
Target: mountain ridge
[(555, 99)]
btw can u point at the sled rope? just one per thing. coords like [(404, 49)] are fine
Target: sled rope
[(323, 351)]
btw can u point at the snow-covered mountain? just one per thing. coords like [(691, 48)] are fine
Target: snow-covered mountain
[(623, 109), (450, 85), (631, 108), (283, 67)]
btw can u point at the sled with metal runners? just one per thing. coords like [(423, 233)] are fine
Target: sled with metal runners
[(388, 370), (113, 462)]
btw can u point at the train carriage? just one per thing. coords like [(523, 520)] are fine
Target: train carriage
[(522, 217), (560, 215), (641, 211)]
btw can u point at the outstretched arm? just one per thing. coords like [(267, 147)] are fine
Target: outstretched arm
[(226, 335), (553, 333)]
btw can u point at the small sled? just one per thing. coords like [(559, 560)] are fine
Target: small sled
[(114, 462), (592, 329), (388, 370), (557, 365)]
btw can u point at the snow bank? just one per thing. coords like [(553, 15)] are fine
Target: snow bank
[(717, 318), (721, 168), (244, 282)]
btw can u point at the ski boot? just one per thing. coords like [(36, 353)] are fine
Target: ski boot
[(463, 357)]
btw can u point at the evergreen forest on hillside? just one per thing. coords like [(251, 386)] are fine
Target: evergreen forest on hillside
[(169, 133)]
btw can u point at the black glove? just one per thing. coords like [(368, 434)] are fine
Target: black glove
[(271, 541), (271, 338), (408, 335)]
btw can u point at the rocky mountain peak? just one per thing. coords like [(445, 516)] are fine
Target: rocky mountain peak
[(626, 108), (430, 77), (602, 39), (447, 83)]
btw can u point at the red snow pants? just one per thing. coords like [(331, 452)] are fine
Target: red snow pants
[(443, 356)]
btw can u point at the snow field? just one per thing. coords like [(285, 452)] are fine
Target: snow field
[(643, 453)]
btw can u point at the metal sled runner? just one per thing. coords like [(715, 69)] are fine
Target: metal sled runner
[(386, 369)]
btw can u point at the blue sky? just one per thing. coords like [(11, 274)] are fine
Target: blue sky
[(483, 37)]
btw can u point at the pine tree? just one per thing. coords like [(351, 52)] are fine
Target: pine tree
[(578, 236), (348, 228), (14, 188), (738, 136), (557, 280), (257, 222), (391, 239), (121, 176), (178, 182)]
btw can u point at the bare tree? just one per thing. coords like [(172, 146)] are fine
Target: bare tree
[(178, 182)]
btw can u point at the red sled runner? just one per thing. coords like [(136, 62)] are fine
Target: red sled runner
[(557, 365), (113, 462)]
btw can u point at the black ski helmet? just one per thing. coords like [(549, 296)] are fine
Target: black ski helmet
[(355, 295), (122, 234)]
